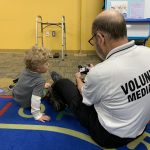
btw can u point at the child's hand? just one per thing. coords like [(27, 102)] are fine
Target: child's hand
[(45, 118), (47, 85)]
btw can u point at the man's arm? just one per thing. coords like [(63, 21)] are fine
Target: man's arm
[(79, 82)]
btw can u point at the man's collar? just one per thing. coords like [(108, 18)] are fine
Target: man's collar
[(120, 48)]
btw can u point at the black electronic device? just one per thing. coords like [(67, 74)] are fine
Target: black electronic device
[(84, 69)]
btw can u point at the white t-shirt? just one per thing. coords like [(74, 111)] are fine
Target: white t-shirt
[(119, 88)]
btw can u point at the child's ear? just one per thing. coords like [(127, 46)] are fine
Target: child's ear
[(38, 69)]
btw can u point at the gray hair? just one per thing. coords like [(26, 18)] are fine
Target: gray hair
[(112, 23)]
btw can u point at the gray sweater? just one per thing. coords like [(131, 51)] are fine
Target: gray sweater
[(30, 83)]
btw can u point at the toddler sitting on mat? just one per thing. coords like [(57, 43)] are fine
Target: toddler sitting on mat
[(29, 90)]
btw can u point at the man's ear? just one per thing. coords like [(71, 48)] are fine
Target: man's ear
[(101, 37)]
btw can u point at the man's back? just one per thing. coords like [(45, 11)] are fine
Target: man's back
[(122, 88)]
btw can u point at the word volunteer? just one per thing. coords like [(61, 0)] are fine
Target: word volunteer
[(138, 87)]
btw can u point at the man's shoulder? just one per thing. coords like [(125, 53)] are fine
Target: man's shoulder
[(103, 67)]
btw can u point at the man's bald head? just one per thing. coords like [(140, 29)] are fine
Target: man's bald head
[(112, 23)]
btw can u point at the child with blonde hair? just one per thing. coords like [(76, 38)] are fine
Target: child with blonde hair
[(30, 87)]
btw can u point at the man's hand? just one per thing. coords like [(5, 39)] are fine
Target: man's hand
[(91, 66), (79, 81), (78, 75), (44, 118)]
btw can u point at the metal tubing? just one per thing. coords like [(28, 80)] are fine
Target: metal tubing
[(44, 25)]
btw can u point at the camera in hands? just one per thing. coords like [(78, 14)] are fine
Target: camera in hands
[(84, 69)]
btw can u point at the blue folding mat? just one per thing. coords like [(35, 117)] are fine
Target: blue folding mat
[(19, 131)]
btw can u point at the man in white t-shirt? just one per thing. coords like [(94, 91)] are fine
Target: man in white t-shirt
[(114, 102)]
